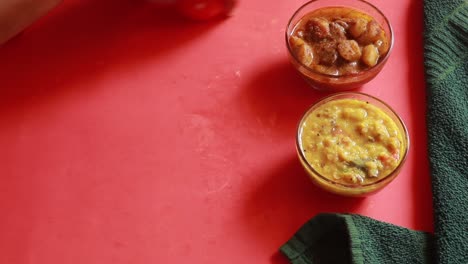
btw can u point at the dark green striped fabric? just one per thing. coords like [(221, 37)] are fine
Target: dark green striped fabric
[(446, 62)]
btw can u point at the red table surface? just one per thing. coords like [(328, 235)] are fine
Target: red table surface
[(130, 135)]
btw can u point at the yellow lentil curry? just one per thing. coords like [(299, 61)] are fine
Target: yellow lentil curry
[(351, 141)]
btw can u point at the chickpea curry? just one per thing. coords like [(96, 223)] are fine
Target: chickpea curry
[(351, 141), (338, 41)]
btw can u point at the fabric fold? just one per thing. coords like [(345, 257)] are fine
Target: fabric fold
[(346, 238)]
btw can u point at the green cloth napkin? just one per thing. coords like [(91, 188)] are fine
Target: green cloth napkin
[(347, 238)]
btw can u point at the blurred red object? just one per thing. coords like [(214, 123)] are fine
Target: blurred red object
[(200, 9), (16, 15), (205, 9)]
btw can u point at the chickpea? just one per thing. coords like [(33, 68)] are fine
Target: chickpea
[(337, 31), (371, 34), (358, 27), (319, 28), (349, 50), (370, 55), (302, 50)]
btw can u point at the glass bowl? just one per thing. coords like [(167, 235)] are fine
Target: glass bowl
[(333, 83), (305, 134)]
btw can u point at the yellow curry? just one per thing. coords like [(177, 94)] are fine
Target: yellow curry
[(351, 142)]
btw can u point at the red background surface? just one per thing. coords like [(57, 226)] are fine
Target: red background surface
[(129, 135)]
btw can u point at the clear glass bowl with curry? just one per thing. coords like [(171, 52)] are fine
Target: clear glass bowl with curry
[(338, 45), (352, 144)]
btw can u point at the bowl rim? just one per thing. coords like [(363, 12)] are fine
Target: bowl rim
[(363, 72), (329, 98)]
